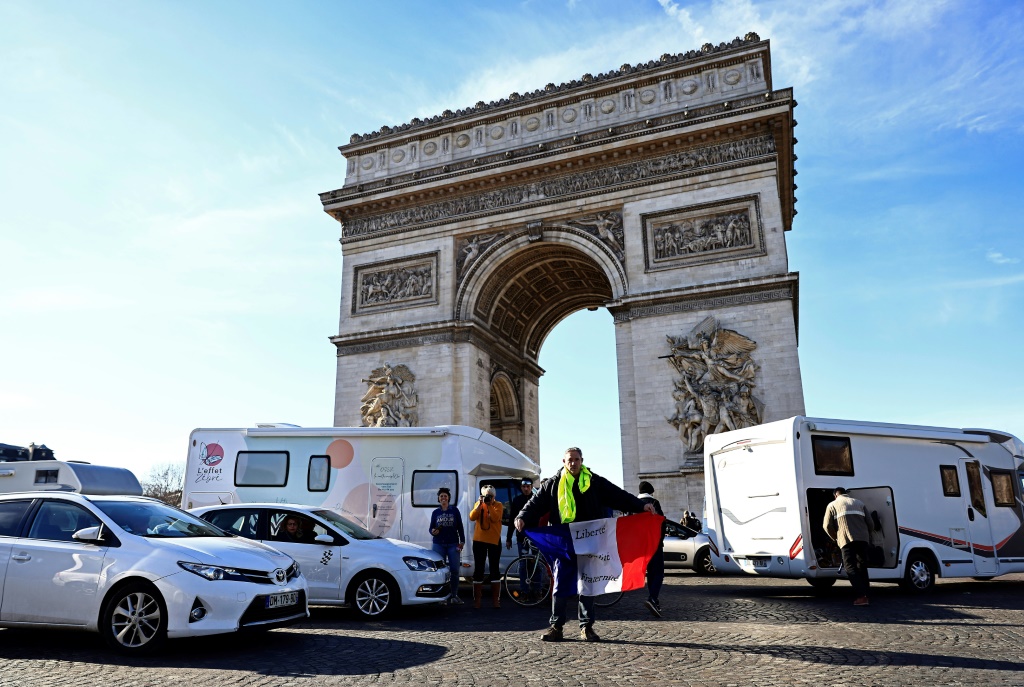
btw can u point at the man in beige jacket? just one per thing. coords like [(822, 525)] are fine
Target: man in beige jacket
[(846, 521)]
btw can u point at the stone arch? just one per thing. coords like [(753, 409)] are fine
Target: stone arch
[(522, 286), (506, 409)]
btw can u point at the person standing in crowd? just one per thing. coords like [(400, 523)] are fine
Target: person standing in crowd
[(525, 492), (846, 522), (574, 494), (449, 537), (656, 568), (487, 545)]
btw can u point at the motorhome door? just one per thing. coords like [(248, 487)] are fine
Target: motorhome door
[(978, 505), (384, 513)]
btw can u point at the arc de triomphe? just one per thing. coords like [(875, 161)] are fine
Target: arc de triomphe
[(661, 191)]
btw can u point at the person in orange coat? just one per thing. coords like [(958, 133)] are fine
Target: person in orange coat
[(487, 544)]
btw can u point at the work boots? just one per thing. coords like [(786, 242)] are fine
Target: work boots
[(496, 594), (478, 593)]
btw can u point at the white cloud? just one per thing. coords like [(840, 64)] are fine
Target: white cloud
[(1000, 259)]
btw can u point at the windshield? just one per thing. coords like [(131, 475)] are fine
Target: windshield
[(154, 519), (346, 527)]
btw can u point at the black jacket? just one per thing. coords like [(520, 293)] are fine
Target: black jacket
[(600, 498), (513, 510)]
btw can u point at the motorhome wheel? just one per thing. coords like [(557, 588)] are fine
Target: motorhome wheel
[(920, 573)]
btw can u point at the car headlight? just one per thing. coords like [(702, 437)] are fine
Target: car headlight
[(421, 564), (211, 572)]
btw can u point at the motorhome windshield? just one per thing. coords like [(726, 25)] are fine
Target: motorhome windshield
[(152, 519), (346, 527)]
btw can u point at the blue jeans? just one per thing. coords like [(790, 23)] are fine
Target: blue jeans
[(566, 575), (451, 554)]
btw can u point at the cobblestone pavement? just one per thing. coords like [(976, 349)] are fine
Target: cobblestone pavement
[(716, 631)]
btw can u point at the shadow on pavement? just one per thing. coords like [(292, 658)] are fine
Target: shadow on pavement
[(280, 653)]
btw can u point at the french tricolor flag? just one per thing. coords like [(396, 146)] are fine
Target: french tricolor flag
[(611, 553)]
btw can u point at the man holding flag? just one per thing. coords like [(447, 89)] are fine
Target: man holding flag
[(590, 552)]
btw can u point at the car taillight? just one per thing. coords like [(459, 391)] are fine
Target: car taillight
[(797, 548)]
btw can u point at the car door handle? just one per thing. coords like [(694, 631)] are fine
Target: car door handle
[(21, 557), (970, 513)]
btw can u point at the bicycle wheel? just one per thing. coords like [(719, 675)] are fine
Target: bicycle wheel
[(527, 580), (609, 599)]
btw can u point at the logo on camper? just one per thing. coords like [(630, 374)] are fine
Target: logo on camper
[(211, 454)]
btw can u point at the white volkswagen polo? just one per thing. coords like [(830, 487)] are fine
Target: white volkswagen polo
[(136, 570), (344, 564)]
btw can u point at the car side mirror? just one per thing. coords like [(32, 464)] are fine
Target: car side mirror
[(324, 539), (89, 535)]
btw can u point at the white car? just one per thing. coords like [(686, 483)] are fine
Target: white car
[(344, 564), (687, 548), (136, 570)]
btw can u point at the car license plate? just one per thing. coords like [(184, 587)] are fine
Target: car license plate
[(285, 599), (759, 562)]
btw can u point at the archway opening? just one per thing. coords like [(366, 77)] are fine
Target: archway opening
[(579, 394), (552, 294)]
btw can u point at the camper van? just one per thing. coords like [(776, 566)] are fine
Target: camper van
[(74, 476), (384, 478), (942, 502)]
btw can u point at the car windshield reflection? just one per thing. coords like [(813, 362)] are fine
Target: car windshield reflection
[(345, 526), (157, 520)]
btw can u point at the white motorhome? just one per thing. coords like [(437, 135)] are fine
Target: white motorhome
[(942, 502), (386, 478), (75, 476)]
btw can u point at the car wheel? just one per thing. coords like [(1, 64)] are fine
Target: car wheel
[(702, 564), (374, 595), (821, 582), (134, 619), (919, 575)]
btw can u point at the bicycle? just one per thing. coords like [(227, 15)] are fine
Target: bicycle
[(528, 581)]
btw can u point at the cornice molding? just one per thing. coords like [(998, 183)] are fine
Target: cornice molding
[(569, 88)]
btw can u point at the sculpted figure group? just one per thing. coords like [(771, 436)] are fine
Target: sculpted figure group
[(701, 235), (391, 399), (714, 391)]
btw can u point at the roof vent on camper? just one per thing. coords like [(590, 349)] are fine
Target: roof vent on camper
[(274, 425)]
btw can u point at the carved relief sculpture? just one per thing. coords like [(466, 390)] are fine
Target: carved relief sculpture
[(583, 182), (729, 230), (390, 400), (395, 283), (467, 250), (714, 392), (606, 226)]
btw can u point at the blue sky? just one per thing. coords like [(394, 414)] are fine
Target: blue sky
[(167, 265)]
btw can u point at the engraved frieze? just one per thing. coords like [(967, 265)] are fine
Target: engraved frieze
[(714, 391), (395, 283), (688, 237), (584, 182), (391, 399), (724, 230)]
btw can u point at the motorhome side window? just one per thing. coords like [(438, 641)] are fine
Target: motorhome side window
[(425, 484), (1002, 488), (832, 455), (950, 480), (319, 477), (261, 469), (46, 476)]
